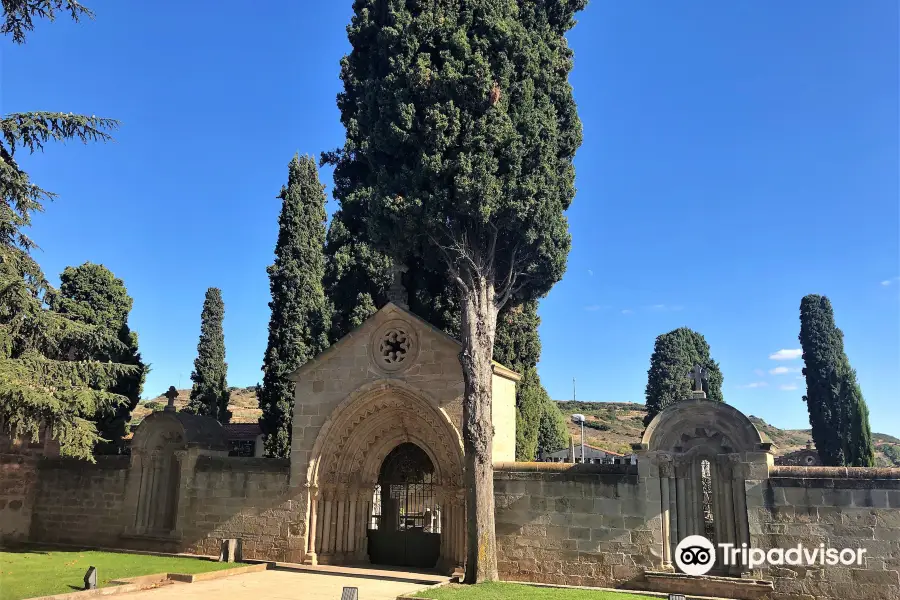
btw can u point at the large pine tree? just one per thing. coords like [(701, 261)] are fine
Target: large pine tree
[(49, 380), (91, 294), (300, 321), (209, 394), (461, 130), (838, 413), (668, 380)]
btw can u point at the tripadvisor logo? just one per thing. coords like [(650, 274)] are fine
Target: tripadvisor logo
[(696, 555)]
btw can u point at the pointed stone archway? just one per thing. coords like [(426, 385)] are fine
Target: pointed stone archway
[(347, 459)]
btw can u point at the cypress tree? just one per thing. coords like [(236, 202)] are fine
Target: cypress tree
[(49, 380), (668, 380), (461, 131), (91, 294), (209, 394), (300, 320), (838, 413), (356, 273), (357, 276), (553, 434)]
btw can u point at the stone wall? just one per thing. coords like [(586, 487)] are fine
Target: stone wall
[(77, 502), (18, 474), (574, 524), (246, 498), (840, 508)]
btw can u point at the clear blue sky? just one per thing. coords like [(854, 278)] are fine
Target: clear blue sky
[(736, 156)]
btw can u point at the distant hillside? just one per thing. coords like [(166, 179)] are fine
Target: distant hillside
[(616, 425), (243, 406)]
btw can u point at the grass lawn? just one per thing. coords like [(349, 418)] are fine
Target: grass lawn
[(517, 591), (33, 573)]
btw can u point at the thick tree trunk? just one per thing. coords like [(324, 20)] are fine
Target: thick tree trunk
[(479, 323)]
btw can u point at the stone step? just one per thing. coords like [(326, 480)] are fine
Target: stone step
[(703, 585)]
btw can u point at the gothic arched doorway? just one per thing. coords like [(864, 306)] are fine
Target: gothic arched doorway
[(405, 528)]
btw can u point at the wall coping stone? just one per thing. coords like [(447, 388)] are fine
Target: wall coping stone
[(243, 463), (572, 468), (102, 463), (834, 472)]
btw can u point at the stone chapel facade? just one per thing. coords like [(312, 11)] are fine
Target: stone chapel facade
[(394, 382)]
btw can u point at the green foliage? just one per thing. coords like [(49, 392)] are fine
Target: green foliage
[(838, 413), (520, 591), (209, 394), (530, 398), (352, 265), (356, 276), (49, 380), (154, 405), (461, 129), (19, 15), (91, 294), (596, 425), (300, 321), (552, 432), (891, 453), (39, 573), (668, 380)]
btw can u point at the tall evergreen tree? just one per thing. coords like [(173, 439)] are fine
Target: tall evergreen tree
[(668, 380), (838, 413), (209, 394), (91, 294), (356, 273), (300, 321), (48, 378), (461, 131), (553, 434), (357, 276)]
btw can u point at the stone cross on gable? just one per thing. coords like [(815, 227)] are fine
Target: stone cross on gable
[(699, 375), (397, 293), (171, 395)]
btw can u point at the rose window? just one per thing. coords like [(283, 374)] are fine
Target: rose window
[(395, 346)]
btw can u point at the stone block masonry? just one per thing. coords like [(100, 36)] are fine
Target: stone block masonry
[(574, 524), (18, 474), (245, 498), (77, 502), (840, 508)]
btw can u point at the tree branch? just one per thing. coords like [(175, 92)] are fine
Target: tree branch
[(33, 129), (18, 15), (451, 265)]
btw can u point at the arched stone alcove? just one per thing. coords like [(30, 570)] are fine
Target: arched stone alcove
[(704, 452), (348, 457), (160, 452)]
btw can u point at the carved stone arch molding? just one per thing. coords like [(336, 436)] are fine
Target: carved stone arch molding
[(347, 457), (692, 423), (385, 409)]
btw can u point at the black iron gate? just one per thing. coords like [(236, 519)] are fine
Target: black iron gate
[(405, 529)]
